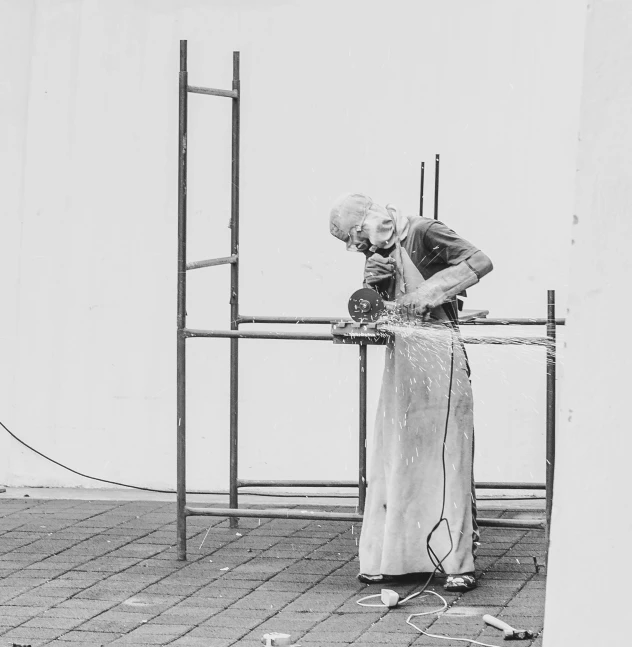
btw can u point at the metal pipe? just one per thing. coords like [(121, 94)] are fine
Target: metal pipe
[(508, 341), (510, 486), (550, 409), (212, 91), (483, 485), (319, 515), (275, 513), (265, 319), (255, 334), (211, 262), (436, 196), (421, 189), (522, 524), (362, 434), (506, 321), (181, 307), (269, 483), (234, 291), (315, 336)]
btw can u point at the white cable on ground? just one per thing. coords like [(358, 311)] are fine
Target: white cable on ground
[(362, 602)]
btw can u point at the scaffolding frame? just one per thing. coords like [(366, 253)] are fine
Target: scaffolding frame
[(233, 512)]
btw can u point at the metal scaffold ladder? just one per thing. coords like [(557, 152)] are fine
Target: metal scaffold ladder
[(233, 512)]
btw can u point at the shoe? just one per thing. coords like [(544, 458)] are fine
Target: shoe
[(460, 583), (370, 579)]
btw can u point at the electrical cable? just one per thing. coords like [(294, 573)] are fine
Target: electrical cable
[(149, 489)]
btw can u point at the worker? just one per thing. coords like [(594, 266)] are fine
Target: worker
[(420, 512)]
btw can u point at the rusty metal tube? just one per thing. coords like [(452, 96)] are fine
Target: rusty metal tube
[(181, 308)]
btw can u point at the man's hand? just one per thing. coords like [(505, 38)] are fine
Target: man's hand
[(420, 302), (378, 268)]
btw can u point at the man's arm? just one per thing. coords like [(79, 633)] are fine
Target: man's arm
[(446, 284)]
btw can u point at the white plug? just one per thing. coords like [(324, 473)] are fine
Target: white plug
[(389, 598)]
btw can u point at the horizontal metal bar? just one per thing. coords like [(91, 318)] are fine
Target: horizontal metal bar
[(508, 341), (275, 513), (510, 486), (304, 483), (291, 320), (211, 262), (254, 334), (315, 336), (231, 94), (320, 515), (254, 483), (509, 322), (269, 319), (523, 524)]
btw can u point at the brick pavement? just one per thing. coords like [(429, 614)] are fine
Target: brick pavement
[(75, 573)]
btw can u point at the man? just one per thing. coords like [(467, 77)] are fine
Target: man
[(420, 511)]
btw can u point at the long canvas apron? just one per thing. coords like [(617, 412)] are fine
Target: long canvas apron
[(412, 481)]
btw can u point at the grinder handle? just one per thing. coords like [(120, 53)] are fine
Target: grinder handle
[(499, 624)]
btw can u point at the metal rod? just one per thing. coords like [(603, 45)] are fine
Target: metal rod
[(275, 513), (508, 341), (319, 515), (211, 262), (421, 189), (234, 291), (362, 434), (316, 336), (181, 312), (507, 321), (212, 91), (254, 334), (510, 486), (436, 195), (550, 409), (523, 524), (483, 485), (269, 483), (265, 319)]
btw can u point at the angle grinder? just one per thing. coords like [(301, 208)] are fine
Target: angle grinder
[(367, 306)]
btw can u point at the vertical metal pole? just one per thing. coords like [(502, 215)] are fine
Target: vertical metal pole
[(181, 316), (436, 196), (234, 296), (421, 189), (550, 408), (362, 440)]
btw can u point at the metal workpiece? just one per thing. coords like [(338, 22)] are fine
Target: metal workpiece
[(486, 321), (353, 332)]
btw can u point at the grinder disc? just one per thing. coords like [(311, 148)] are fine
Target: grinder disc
[(366, 305)]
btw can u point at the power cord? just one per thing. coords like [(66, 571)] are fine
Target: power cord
[(148, 489)]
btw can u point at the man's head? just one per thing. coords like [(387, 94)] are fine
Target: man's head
[(360, 223)]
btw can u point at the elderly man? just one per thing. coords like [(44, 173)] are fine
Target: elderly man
[(420, 514)]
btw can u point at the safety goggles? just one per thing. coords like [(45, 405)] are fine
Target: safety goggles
[(354, 243)]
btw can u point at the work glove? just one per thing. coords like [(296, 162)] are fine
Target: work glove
[(378, 268), (421, 301)]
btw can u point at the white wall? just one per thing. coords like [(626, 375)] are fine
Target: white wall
[(592, 471), (337, 96)]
